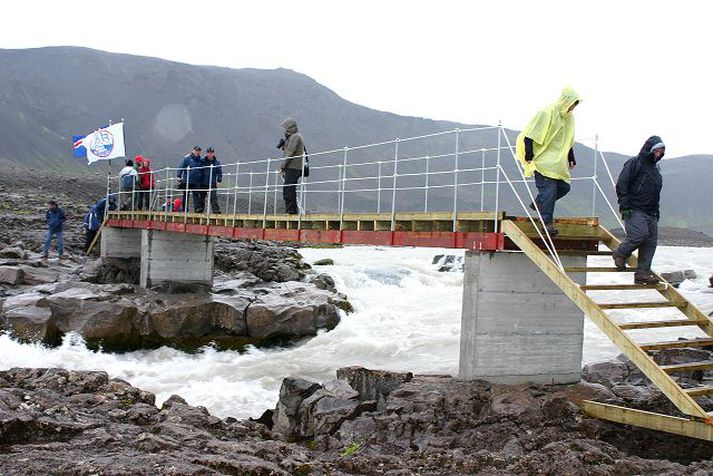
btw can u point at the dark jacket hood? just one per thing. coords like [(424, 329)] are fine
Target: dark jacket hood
[(290, 126), (648, 148)]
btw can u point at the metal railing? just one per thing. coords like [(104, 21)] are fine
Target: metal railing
[(455, 170)]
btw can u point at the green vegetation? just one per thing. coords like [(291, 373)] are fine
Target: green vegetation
[(351, 449)]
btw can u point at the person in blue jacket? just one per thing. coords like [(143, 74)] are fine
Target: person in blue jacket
[(214, 175), (55, 226), (190, 177), (94, 219)]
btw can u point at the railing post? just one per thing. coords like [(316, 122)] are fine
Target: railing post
[(208, 209), (455, 184), (274, 198), (227, 195), (264, 198), (235, 191), (169, 201), (497, 178), (344, 186), (108, 192), (594, 175), (393, 188), (482, 180), (425, 198), (133, 197), (187, 195), (250, 194), (378, 191)]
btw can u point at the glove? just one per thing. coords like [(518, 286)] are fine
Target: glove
[(281, 144), (625, 213)]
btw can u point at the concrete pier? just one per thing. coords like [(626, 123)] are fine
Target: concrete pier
[(120, 243), (517, 326), (176, 257)]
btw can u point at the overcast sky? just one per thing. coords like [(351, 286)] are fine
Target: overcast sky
[(642, 68)]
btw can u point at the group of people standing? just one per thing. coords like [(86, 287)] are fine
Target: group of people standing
[(137, 183), (546, 150), (200, 177)]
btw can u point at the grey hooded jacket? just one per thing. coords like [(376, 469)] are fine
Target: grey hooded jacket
[(294, 146)]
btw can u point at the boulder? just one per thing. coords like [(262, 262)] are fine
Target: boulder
[(690, 274), (11, 275), (373, 384), (292, 392), (607, 373), (216, 317), (39, 275), (25, 319), (675, 278), (13, 253), (324, 262)]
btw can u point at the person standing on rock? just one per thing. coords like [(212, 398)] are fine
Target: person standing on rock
[(638, 189), (190, 177), (545, 149), (55, 226), (213, 176), (292, 165)]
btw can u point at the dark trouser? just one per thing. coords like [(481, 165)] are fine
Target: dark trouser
[(144, 199), (88, 238), (289, 191), (198, 198), (213, 198), (642, 233), (549, 190), (126, 199)]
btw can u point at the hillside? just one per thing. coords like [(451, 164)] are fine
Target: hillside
[(49, 94)]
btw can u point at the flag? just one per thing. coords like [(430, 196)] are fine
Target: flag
[(104, 144)]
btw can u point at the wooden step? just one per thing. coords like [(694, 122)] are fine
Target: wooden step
[(642, 305), (567, 237), (596, 269), (622, 287), (654, 324), (677, 344), (691, 366), (698, 391), (583, 253)]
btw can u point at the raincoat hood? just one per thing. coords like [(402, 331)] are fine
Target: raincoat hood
[(568, 97), (651, 144), (290, 126), (144, 162), (138, 159)]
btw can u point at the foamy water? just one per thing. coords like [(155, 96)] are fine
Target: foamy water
[(407, 317)]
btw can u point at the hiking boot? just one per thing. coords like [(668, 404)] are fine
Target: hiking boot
[(552, 230), (646, 278), (620, 262)]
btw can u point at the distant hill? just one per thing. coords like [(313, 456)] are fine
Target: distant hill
[(49, 94)]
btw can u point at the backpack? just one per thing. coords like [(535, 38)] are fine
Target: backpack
[(305, 166), (127, 182)]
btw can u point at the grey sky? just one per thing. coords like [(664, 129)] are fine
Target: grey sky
[(642, 68)]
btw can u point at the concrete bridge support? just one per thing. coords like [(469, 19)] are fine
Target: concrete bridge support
[(516, 325), (120, 243), (176, 258)]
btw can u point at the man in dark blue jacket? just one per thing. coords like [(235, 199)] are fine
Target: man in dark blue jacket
[(94, 219), (213, 176), (55, 225), (639, 191), (190, 177)]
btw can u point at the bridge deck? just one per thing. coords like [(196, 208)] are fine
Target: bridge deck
[(470, 230)]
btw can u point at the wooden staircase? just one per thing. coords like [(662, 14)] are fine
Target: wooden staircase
[(697, 422)]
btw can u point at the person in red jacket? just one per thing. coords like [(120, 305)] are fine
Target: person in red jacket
[(147, 182)]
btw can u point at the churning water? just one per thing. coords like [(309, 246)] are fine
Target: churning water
[(407, 317)]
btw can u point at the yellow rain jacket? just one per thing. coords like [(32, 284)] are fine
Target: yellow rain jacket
[(552, 134)]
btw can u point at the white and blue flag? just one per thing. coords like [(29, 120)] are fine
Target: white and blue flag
[(104, 144)]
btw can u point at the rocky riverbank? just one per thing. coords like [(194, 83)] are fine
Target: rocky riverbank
[(55, 421), (263, 292)]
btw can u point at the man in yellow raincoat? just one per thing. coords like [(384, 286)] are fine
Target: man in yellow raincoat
[(545, 150)]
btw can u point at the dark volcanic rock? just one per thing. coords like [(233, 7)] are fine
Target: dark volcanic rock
[(267, 261)]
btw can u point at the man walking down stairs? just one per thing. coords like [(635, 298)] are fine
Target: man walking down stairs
[(639, 191)]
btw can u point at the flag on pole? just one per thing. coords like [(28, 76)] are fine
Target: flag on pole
[(104, 144)]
